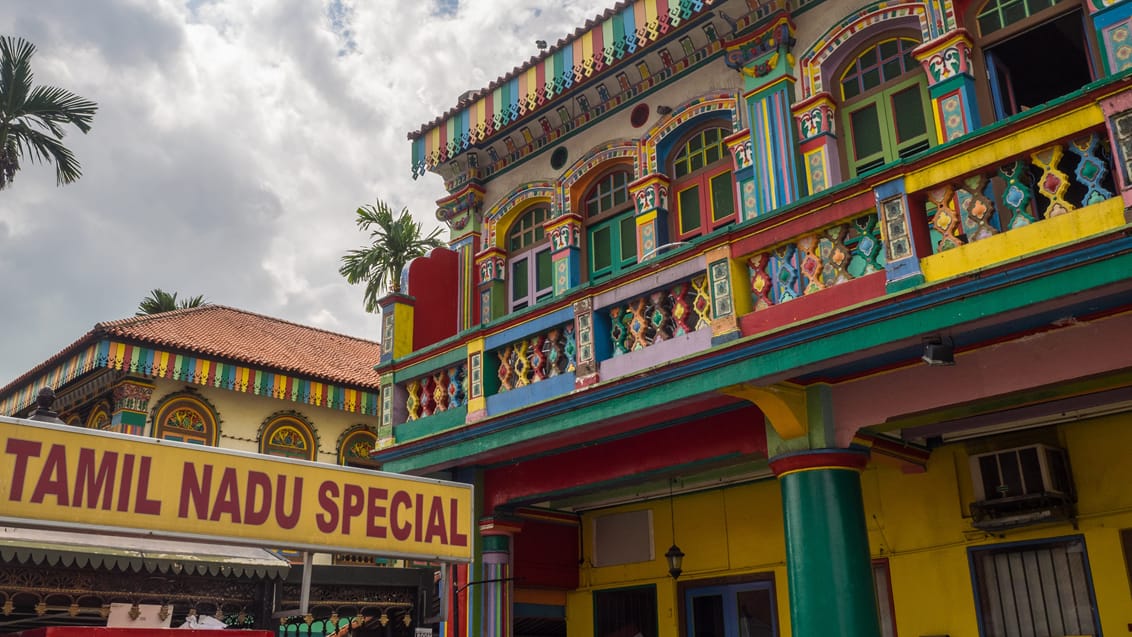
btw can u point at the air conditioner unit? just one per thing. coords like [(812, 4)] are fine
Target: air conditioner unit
[(1021, 486)]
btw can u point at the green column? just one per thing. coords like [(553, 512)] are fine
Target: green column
[(827, 548)]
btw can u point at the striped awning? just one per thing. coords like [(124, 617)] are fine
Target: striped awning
[(63, 548)]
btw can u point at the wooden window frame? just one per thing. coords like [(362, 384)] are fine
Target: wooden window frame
[(524, 247), (609, 215), (880, 97), (177, 403), (702, 178), (293, 422)]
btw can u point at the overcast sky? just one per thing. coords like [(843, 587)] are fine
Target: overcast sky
[(233, 142)]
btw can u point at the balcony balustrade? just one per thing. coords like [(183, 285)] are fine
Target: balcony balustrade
[(1042, 184), (661, 315), (443, 390), (537, 358)]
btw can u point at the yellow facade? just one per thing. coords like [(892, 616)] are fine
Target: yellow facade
[(918, 521)]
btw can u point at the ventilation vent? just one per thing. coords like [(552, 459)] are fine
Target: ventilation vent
[(623, 538)]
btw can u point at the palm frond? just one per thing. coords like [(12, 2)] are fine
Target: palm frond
[(32, 120)]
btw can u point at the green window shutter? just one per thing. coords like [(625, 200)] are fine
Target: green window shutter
[(601, 249), (544, 272), (520, 283), (722, 197), (628, 232), (908, 115), (867, 139), (689, 204)]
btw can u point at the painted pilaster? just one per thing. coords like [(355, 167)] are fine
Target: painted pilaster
[(131, 404), (650, 196), (828, 567), (730, 295), (565, 251), (766, 166), (818, 145), (1112, 20), (1118, 120), (491, 266), (947, 65), (498, 584), (392, 409), (586, 364), (462, 212), (903, 247), (396, 326)]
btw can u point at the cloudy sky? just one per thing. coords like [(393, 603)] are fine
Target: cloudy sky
[(233, 142)]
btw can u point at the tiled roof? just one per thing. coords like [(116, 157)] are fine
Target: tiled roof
[(239, 336)]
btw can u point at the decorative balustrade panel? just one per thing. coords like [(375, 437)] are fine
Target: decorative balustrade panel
[(816, 261), (539, 357), (1048, 182), (440, 391), (660, 315)]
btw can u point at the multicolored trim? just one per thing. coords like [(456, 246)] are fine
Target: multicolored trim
[(578, 62), (814, 59), (154, 363)]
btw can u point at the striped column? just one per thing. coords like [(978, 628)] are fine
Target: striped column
[(497, 585), (827, 548)]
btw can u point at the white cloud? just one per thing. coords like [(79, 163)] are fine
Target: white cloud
[(233, 142)]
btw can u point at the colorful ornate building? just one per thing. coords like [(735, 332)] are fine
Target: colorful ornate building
[(832, 298), (220, 377)]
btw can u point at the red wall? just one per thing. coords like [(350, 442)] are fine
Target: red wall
[(434, 282)]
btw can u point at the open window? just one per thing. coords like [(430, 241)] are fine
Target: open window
[(885, 109), (611, 229), (703, 184), (1034, 51), (529, 268)]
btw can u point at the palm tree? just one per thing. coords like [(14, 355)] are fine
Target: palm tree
[(32, 118), (393, 243), (160, 301)]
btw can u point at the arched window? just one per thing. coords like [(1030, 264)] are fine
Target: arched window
[(355, 446), (289, 435), (611, 230), (703, 184), (885, 111), (99, 416), (1034, 51), (530, 271), (186, 418)]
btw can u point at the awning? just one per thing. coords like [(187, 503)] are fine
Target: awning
[(63, 548)]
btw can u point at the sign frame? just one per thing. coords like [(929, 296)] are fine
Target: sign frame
[(107, 482)]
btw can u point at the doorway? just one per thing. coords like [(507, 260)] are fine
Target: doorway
[(732, 610)]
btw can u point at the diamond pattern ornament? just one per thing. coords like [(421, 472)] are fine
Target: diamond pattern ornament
[(1052, 183), (761, 283), (1092, 169), (412, 399), (1018, 193), (505, 372), (810, 265)]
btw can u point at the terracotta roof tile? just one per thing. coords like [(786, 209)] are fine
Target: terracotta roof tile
[(228, 333), (239, 336)]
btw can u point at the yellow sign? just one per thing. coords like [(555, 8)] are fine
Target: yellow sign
[(60, 475)]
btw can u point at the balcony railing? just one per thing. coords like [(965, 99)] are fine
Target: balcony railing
[(530, 360), (816, 261), (1050, 181), (661, 315), (440, 391)]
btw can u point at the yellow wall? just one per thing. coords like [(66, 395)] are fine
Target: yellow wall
[(919, 522), (724, 532), (242, 414)]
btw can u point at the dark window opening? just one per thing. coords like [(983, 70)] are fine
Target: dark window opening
[(1038, 65)]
